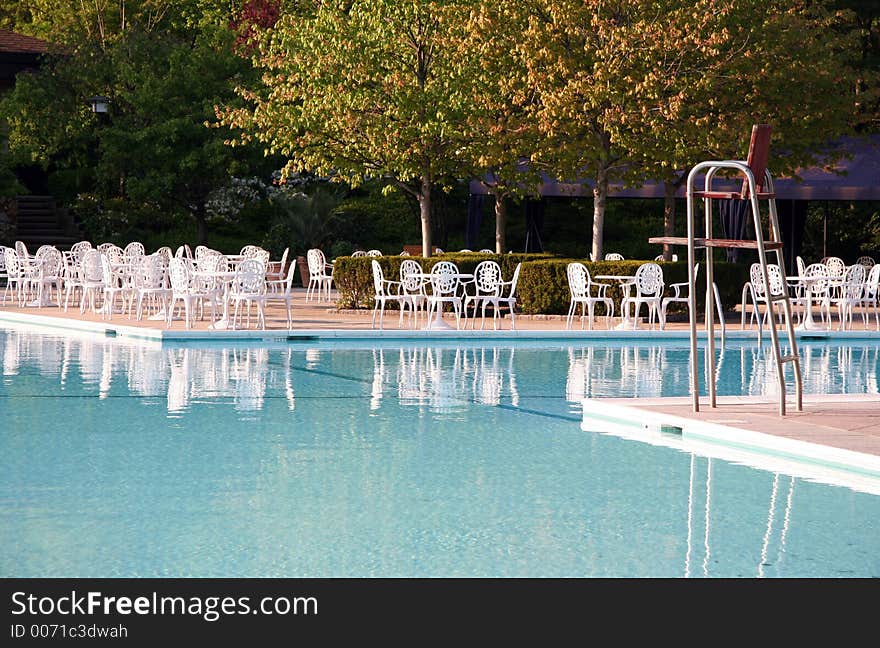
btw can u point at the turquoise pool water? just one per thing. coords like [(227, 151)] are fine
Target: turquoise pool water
[(312, 459)]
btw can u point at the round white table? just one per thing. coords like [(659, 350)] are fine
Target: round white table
[(437, 323), (625, 281)]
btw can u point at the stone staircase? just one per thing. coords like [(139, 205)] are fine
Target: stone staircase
[(41, 222)]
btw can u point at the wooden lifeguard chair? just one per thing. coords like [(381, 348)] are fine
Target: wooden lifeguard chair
[(757, 185)]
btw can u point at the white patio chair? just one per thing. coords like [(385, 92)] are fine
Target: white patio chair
[(374, 253), (249, 288), (445, 290), (70, 274), (614, 256), (866, 261), (276, 271), (507, 297), (133, 250), (487, 251), (403, 253), (680, 294), (648, 287), (79, 249), (282, 290), (114, 286), (166, 253), (849, 295), (184, 289), (871, 295), (150, 285), (754, 289), (580, 287), (14, 276), (91, 279), (386, 291), (358, 254), (319, 279), (485, 285), (22, 251), (3, 275), (412, 285), (48, 268)]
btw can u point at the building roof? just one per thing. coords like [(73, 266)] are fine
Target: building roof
[(853, 177), (10, 42)]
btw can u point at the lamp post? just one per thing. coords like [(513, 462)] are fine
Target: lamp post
[(99, 104)]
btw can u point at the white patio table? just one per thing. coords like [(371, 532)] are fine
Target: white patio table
[(626, 282), (437, 323)]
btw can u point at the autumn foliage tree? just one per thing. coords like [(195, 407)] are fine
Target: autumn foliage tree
[(361, 90)]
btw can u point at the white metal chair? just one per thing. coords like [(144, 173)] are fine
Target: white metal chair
[(445, 289), (487, 251), (3, 273), (276, 272), (613, 256), (91, 279), (22, 251), (47, 270), (485, 285), (282, 290), (648, 287), (133, 250), (150, 284), (412, 285), (871, 295), (580, 287), (374, 253), (319, 280), (357, 254), (866, 261), (507, 297), (13, 276), (679, 295), (386, 291), (184, 290), (754, 288), (114, 287), (849, 296), (249, 288)]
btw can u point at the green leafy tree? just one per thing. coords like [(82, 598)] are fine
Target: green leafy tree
[(362, 90), (156, 145)]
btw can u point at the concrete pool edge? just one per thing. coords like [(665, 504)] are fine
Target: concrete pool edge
[(115, 328), (643, 420)]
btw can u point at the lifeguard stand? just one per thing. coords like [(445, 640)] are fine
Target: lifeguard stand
[(757, 185)]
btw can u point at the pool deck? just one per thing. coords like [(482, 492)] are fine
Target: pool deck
[(844, 423)]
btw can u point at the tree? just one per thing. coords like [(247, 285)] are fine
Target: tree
[(716, 69), (360, 90), (156, 147), (501, 132), (639, 89)]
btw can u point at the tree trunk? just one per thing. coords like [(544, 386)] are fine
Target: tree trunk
[(500, 223), (600, 192), (201, 227), (669, 189), (425, 213)]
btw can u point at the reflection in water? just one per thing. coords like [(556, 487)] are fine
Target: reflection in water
[(445, 379)]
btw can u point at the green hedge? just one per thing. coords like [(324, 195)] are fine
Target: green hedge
[(543, 284), (353, 276)]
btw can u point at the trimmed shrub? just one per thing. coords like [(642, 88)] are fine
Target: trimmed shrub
[(353, 276), (543, 285)]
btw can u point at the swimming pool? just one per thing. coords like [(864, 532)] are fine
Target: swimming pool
[(316, 459)]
